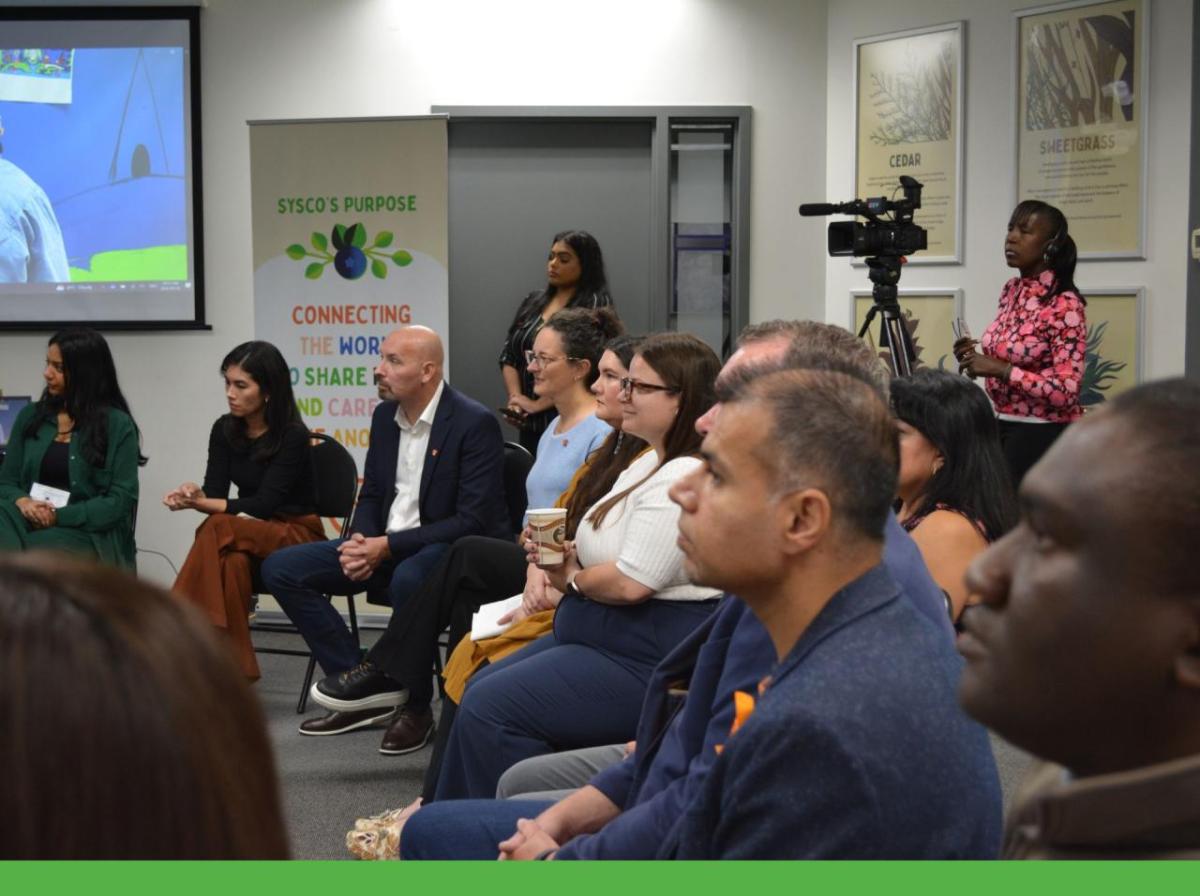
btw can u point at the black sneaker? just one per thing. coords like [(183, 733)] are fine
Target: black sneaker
[(363, 687)]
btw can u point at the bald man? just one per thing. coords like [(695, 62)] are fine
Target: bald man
[(433, 475)]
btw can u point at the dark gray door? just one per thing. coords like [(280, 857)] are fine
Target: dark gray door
[(513, 185)]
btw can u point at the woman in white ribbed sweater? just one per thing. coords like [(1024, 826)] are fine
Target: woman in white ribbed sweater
[(626, 601)]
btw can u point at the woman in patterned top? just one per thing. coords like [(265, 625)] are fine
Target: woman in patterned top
[(1032, 354), (954, 493), (575, 279)]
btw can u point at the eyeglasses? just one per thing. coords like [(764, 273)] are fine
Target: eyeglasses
[(629, 386), (545, 360)]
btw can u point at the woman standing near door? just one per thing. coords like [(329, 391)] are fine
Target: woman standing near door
[(574, 279)]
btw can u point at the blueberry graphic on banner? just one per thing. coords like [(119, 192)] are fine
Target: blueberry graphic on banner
[(351, 256)]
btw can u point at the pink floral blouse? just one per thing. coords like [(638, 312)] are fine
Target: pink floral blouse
[(1045, 341)]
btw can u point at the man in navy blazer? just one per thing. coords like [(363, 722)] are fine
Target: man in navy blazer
[(433, 474)]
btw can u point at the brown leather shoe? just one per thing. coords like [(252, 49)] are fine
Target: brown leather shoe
[(409, 731), (341, 722)]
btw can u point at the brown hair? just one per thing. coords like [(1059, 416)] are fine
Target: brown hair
[(615, 453), (584, 333), (126, 731), (689, 366)]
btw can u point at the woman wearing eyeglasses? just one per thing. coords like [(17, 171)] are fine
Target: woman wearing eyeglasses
[(574, 279), (626, 600)]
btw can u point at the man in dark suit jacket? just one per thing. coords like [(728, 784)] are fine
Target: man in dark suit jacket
[(433, 474)]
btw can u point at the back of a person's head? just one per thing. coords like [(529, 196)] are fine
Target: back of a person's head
[(813, 345), (126, 730), (829, 430)]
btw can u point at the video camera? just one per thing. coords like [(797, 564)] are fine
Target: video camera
[(887, 242), (895, 237)]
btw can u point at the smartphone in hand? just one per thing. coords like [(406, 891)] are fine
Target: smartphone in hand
[(513, 416)]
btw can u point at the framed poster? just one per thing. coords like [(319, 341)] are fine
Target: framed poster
[(929, 315), (1114, 344), (1081, 92), (908, 119)]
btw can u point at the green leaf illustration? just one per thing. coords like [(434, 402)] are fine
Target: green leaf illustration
[(402, 258), (378, 268), (295, 251), (319, 242), (357, 235), (383, 239), (339, 236), (314, 270)]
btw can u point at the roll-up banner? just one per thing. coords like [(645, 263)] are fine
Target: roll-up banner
[(350, 242)]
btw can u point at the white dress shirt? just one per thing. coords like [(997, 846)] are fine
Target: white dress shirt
[(405, 512)]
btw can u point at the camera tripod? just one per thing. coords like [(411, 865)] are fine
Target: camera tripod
[(893, 332)]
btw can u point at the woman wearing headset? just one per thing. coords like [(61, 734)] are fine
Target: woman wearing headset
[(1032, 355)]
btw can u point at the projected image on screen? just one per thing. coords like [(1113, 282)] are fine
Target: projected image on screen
[(96, 192)]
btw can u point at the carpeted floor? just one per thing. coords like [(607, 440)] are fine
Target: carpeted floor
[(327, 782)]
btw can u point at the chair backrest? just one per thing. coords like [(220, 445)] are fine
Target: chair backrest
[(517, 463), (335, 477)]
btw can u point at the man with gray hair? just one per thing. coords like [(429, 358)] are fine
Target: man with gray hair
[(833, 754), (631, 807)]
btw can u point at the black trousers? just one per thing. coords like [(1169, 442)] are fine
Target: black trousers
[(441, 737), (475, 571), (1024, 444)]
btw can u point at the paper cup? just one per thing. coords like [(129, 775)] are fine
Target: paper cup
[(549, 527)]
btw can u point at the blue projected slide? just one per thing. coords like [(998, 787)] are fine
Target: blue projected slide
[(98, 215), (111, 162)]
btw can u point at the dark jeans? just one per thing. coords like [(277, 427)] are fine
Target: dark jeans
[(475, 571), (582, 686), (300, 576), (1024, 444), (464, 829)]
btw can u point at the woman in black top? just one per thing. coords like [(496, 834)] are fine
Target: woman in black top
[(262, 447), (575, 279)]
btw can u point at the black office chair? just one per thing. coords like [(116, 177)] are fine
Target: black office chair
[(335, 481), (517, 463)]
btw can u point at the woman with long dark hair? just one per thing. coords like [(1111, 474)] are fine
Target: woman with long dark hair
[(261, 446), (955, 493), (575, 278), (70, 477), (1032, 356)]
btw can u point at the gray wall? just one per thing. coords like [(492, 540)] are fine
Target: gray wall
[(1193, 278)]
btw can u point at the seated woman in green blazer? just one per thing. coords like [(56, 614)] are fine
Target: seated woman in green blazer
[(70, 478)]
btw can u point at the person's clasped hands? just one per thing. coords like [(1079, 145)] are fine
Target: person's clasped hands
[(39, 514), (361, 556), (531, 841)]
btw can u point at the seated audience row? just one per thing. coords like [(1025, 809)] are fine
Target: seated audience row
[(568, 358), (794, 720), (808, 700)]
